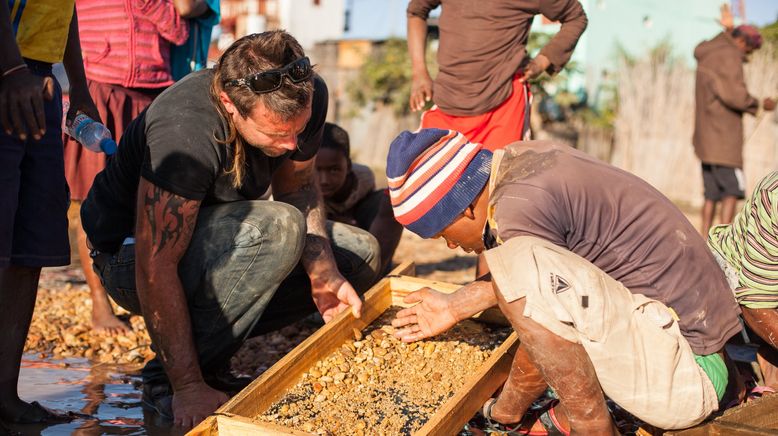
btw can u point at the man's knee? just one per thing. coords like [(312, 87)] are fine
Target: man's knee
[(276, 226), (357, 253)]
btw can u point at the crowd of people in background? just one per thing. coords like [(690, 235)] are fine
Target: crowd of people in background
[(580, 256)]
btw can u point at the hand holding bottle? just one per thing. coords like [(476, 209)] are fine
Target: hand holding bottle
[(91, 134)]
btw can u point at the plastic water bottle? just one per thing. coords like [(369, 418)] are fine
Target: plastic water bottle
[(92, 135)]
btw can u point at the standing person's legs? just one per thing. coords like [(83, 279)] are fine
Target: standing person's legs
[(33, 234), (733, 185), (712, 194), (117, 107)]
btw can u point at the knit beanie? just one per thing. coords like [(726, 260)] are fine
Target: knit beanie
[(433, 176), (751, 34)]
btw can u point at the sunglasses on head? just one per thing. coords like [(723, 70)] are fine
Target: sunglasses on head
[(270, 80)]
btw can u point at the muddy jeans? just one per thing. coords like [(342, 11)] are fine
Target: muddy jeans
[(242, 275)]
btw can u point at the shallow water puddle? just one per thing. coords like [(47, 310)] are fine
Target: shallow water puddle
[(107, 397)]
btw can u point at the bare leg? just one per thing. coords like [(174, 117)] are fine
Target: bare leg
[(767, 358), (481, 268), (728, 209), (708, 210), (570, 373), (524, 385), (764, 322), (103, 318), (18, 290)]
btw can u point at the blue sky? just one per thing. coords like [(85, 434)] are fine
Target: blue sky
[(761, 12)]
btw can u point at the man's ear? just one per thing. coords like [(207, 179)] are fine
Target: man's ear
[(469, 212), (227, 102)]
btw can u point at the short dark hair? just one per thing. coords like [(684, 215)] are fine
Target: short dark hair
[(336, 138)]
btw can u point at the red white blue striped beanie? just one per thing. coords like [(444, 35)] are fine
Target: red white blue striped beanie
[(433, 176)]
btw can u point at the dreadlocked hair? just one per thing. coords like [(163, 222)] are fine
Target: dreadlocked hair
[(250, 55)]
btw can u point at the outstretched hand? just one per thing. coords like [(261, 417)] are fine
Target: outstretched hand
[(431, 316), (333, 294)]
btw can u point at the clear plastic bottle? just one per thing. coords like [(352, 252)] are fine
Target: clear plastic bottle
[(92, 135)]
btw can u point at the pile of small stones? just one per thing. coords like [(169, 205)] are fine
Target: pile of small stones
[(61, 328), (377, 385)]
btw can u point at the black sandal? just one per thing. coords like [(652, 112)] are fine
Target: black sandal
[(494, 427), (545, 416)]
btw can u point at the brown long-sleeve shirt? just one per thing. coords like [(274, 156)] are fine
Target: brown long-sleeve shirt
[(721, 99), (483, 45)]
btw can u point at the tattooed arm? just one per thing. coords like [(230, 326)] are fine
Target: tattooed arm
[(295, 183), (164, 226)]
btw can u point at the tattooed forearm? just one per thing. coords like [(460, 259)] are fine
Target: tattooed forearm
[(315, 248), (306, 196), (169, 217)]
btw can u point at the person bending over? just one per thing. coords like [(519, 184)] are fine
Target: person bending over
[(747, 251), (610, 289), (180, 236)]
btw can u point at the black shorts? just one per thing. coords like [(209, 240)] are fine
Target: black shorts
[(33, 192), (721, 181)]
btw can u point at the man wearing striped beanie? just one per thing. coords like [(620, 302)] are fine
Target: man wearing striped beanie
[(608, 286)]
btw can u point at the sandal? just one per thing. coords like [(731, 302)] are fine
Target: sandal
[(546, 417)]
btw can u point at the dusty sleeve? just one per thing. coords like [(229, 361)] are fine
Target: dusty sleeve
[(729, 86), (163, 14), (573, 18), (421, 8)]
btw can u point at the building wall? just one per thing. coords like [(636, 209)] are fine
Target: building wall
[(637, 26), (312, 21)]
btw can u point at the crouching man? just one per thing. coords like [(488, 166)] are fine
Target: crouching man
[(747, 251), (610, 289), (180, 237)]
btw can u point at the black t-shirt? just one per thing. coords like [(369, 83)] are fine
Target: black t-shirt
[(175, 145)]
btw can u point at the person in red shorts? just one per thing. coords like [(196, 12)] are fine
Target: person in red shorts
[(482, 88)]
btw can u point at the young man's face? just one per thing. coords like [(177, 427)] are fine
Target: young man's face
[(466, 231), (332, 168), (265, 130)]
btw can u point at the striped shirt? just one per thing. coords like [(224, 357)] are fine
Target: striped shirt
[(750, 246), (41, 27), (127, 42)]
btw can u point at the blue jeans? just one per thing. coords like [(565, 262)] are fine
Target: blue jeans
[(242, 276)]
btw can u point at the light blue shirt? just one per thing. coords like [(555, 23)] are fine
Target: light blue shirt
[(193, 54)]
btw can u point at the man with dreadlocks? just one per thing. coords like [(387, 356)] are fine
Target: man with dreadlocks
[(204, 260)]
